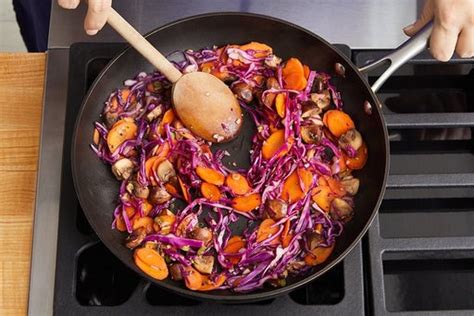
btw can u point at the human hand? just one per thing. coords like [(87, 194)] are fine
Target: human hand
[(96, 13), (453, 28)]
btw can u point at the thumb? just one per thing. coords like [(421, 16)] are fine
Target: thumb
[(425, 17)]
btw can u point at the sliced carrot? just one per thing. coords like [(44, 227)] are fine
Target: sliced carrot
[(184, 190), (306, 71), (273, 144), (258, 79), (210, 192), (318, 255), (247, 203), (358, 162), (322, 197), (234, 244), (236, 63), (266, 229), (293, 66), (338, 122), (120, 224), (162, 150), (237, 183), (206, 149), (151, 164), (181, 229), (222, 75), (145, 222), (207, 67), (261, 50), (286, 236), (342, 164), (319, 228), (192, 278), (280, 104), (292, 190), (151, 262), (96, 136), (164, 223), (130, 211), (120, 132), (172, 190), (146, 208), (210, 175), (168, 118), (335, 186), (124, 93), (208, 285), (295, 81)]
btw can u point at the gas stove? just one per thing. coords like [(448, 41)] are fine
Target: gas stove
[(417, 258)]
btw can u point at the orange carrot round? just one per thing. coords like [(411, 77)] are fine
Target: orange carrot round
[(247, 203), (261, 50), (210, 175), (358, 162), (184, 190), (192, 278), (151, 262), (292, 191), (237, 183), (273, 144), (122, 131), (234, 244), (266, 229), (210, 192), (318, 255), (322, 197), (208, 285), (286, 236), (338, 122), (280, 104)]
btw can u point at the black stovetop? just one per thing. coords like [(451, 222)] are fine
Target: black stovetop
[(418, 255)]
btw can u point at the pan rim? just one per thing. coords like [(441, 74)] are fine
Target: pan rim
[(237, 297)]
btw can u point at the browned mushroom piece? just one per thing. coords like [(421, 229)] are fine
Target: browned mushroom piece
[(122, 169), (175, 271), (243, 91), (165, 171), (350, 185), (155, 113), (311, 134), (309, 108), (272, 83), (351, 138), (272, 61), (341, 210), (268, 99), (204, 264), (140, 191), (203, 234), (276, 208), (110, 118), (319, 84), (322, 99), (159, 195), (135, 238), (313, 240)]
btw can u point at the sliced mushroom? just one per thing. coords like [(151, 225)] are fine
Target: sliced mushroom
[(296, 266), (136, 238), (122, 169), (203, 234), (311, 134), (341, 210), (165, 171), (272, 61), (351, 138), (110, 118), (309, 108), (272, 83), (204, 264), (175, 271), (319, 84), (351, 185), (268, 99), (140, 191), (313, 240), (155, 113), (276, 209), (159, 195), (243, 91), (322, 99)]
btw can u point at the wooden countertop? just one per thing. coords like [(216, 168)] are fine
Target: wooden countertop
[(21, 100)]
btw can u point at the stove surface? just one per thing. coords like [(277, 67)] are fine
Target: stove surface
[(418, 256)]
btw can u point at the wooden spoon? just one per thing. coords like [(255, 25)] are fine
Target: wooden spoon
[(203, 103)]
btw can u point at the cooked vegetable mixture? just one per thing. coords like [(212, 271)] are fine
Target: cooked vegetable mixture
[(296, 196)]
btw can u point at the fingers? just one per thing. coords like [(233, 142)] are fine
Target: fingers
[(443, 40), (425, 17), (68, 4), (96, 15), (465, 45)]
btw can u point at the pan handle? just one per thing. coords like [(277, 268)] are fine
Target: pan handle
[(401, 55)]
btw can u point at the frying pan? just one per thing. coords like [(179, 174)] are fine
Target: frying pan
[(97, 188)]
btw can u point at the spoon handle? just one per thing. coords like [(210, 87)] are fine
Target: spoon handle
[(134, 38)]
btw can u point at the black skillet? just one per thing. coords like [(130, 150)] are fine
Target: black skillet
[(97, 188)]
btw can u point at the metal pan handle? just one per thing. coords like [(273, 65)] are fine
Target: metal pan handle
[(401, 55)]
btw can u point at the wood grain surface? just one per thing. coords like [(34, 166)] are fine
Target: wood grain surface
[(21, 94)]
